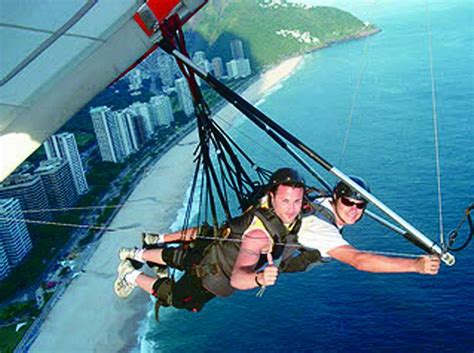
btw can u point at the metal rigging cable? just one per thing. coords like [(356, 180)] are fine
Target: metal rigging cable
[(435, 127)]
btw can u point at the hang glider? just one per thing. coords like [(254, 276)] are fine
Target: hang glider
[(57, 55)]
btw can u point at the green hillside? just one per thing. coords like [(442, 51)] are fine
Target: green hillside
[(261, 27)]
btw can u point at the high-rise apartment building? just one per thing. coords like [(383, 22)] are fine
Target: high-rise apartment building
[(217, 67), (64, 146), (199, 58), (135, 79), (237, 49), (137, 129), (244, 67), (184, 96), (165, 69), (58, 182), (127, 132), (232, 69), (161, 108), (30, 192), (14, 237), (108, 134), (142, 109), (5, 268)]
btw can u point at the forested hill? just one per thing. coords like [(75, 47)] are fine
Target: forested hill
[(272, 30)]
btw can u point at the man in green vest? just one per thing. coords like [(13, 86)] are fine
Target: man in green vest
[(241, 258)]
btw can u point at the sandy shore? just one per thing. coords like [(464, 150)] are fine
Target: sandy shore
[(89, 317)]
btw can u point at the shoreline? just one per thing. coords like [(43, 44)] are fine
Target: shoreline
[(89, 309)]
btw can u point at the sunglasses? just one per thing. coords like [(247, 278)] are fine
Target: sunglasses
[(349, 203)]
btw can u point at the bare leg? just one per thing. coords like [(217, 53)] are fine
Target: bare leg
[(153, 255), (145, 282)]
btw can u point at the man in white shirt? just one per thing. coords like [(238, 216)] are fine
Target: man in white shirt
[(321, 230)]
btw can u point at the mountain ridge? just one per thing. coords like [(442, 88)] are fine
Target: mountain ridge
[(272, 31)]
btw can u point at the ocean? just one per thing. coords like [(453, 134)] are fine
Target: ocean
[(366, 106)]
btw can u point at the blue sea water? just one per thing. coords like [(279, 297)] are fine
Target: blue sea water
[(383, 83)]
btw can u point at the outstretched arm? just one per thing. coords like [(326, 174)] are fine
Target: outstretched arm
[(244, 276), (365, 261)]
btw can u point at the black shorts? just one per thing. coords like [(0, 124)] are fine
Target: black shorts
[(185, 257), (188, 293)]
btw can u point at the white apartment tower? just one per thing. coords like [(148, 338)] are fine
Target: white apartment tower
[(161, 108), (14, 237), (142, 110), (107, 134), (135, 79), (131, 120), (199, 58), (58, 182), (184, 96), (31, 193), (127, 132), (244, 67), (217, 67), (165, 69), (232, 69), (64, 146), (237, 49)]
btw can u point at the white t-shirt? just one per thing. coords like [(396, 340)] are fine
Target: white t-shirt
[(317, 233)]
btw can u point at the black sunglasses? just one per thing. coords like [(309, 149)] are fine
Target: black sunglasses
[(349, 203)]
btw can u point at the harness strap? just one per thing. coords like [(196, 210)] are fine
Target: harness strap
[(326, 214)]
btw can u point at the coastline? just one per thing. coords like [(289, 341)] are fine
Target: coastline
[(89, 317)]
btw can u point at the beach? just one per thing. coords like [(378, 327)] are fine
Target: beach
[(90, 317)]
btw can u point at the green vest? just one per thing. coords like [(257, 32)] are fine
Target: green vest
[(216, 267)]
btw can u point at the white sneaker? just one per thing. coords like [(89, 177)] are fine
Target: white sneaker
[(122, 287), (128, 253), (150, 239)]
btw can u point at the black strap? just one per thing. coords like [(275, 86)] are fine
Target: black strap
[(455, 232), (325, 213)]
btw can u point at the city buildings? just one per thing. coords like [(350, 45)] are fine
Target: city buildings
[(243, 66), (58, 183), (108, 134), (30, 192), (199, 58), (237, 49), (15, 241), (64, 146), (149, 121), (184, 96), (135, 79), (137, 129), (128, 134), (5, 268), (217, 67), (166, 69), (122, 133), (232, 69), (161, 109), (239, 66)]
